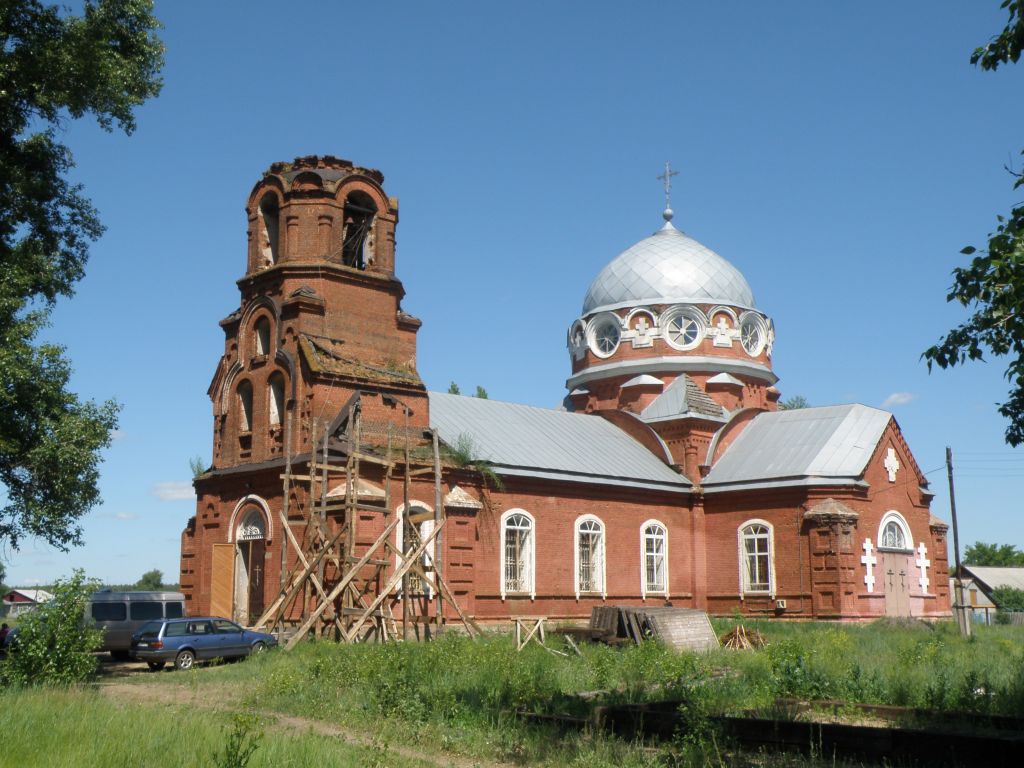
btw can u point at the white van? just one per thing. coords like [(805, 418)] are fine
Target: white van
[(120, 614)]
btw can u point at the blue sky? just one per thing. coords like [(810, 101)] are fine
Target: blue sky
[(840, 155)]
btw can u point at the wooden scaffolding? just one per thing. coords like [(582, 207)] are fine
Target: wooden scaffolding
[(342, 585)]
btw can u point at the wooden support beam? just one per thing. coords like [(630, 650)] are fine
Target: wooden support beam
[(406, 564), (285, 597), (338, 589)]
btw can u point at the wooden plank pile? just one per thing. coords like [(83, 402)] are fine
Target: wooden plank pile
[(681, 628), (743, 639)]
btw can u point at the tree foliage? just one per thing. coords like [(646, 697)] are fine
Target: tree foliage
[(992, 285), (1001, 555), (54, 65), (1008, 598), (793, 403), (54, 644), (151, 580)]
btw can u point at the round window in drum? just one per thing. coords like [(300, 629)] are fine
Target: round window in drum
[(605, 336), (683, 331), (752, 336)]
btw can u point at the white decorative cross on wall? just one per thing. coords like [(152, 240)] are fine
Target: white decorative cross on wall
[(892, 464), (870, 561), (923, 562), (723, 333)]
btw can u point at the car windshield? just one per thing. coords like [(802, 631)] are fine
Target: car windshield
[(149, 629)]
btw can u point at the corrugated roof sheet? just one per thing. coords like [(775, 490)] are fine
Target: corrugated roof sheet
[(994, 577), (539, 441), (831, 442), (682, 396)]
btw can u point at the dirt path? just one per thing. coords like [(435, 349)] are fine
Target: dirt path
[(207, 695)]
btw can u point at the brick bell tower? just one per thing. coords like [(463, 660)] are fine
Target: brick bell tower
[(319, 320)]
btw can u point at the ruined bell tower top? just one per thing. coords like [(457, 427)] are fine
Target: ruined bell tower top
[(321, 208)]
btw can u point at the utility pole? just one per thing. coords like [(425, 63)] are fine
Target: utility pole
[(962, 617)]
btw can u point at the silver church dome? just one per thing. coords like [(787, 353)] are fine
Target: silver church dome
[(667, 268)]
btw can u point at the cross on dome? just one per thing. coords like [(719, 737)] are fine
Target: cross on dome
[(667, 178)]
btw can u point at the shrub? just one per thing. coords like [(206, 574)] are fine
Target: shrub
[(54, 644)]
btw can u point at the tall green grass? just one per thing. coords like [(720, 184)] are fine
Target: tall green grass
[(462, 695), (79, 728)]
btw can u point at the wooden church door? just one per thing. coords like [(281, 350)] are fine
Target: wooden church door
[(896, 578), (254, 557)]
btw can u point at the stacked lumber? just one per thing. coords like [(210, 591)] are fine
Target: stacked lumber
[(743, 639), (681, 628)]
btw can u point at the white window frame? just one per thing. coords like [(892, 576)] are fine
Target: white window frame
[(892, 516), (424, 529), (599, 565), (644, 589), (742, 554), (530, 554)]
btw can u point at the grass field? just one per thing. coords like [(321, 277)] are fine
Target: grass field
[(457, 697)]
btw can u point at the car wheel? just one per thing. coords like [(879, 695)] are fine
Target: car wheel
[(120, 655), (258, 647), (155, 666), (184, 660)]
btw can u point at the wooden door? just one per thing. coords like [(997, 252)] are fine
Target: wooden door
[(896, 581), (222, 579), (255, 562)]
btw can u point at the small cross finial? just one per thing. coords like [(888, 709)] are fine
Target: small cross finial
[(667, 178)]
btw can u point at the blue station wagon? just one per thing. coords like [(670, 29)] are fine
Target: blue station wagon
[(186, 641)]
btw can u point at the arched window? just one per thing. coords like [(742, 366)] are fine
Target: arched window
[(517, 553), (268, 229), (251, 527), (756, 558), (589, 555), (276, 404), (654, 549), (894, 533), (420, 530), (245, 406), (261, 336), (357, 235)]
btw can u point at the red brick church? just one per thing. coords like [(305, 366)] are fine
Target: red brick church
[(669, 474)]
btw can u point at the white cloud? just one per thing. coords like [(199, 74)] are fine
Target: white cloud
[(898, 398), (118, 434), (174, 490)]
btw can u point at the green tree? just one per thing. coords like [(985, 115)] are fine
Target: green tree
[(55, 66), (197, 465), (1003, 555), (151, 580), (3, 575), (794, 402), (992, 285), (480, 392), (453, 389), (54, 644)]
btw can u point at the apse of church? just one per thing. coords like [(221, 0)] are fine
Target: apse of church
[(669, 474)]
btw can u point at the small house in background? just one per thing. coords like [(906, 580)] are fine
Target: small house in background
[(19, 601), (983, 610), (981, 580)]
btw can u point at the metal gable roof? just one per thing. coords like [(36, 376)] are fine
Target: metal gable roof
[(525, 440), (831, 442), (682, 396)]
